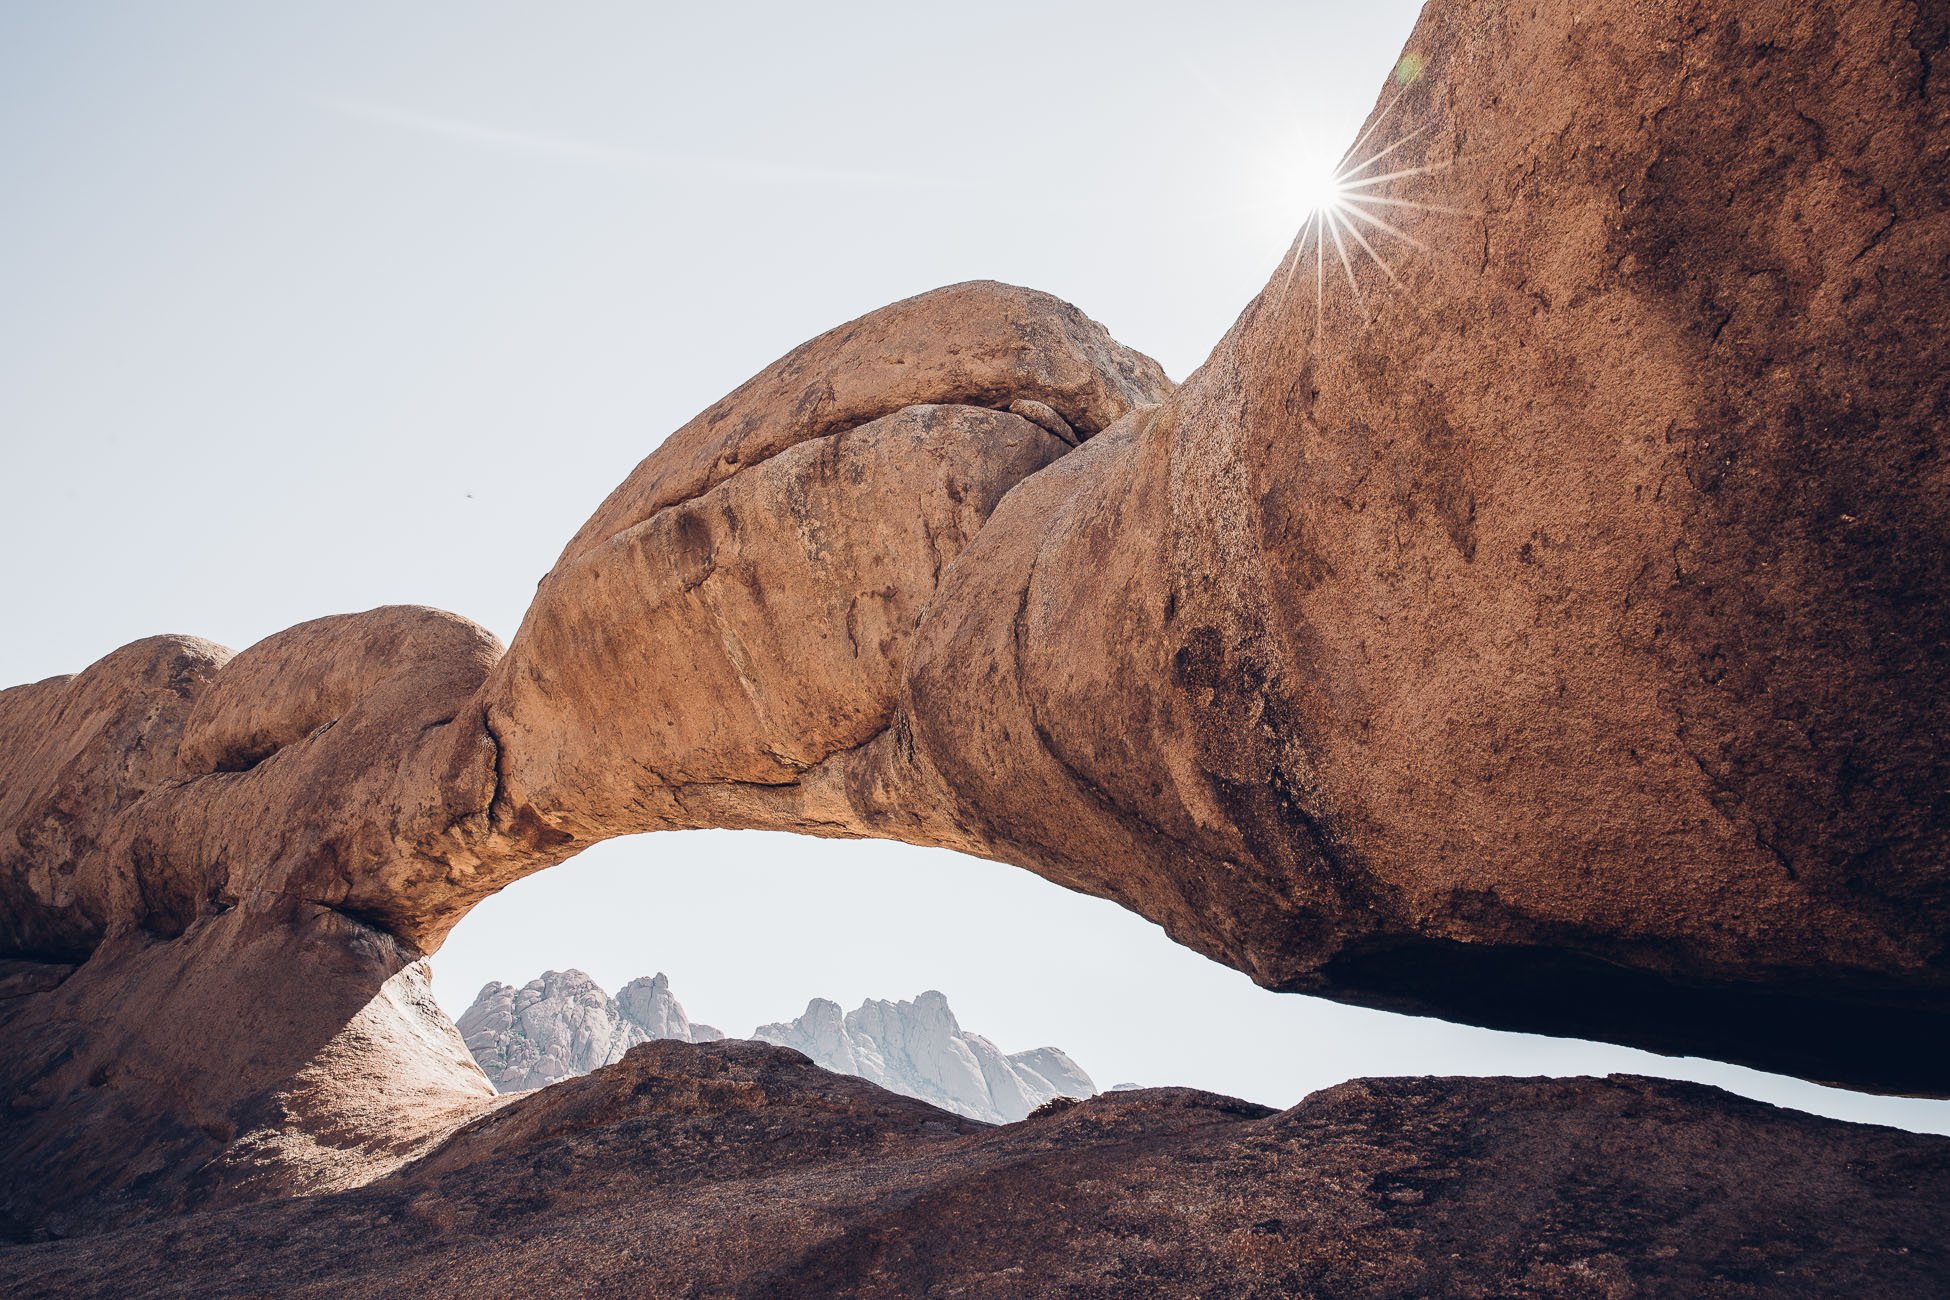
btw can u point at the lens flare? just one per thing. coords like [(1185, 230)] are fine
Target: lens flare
[(1338, 202)]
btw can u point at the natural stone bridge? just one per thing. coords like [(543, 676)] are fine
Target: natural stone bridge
[(1552, 640)]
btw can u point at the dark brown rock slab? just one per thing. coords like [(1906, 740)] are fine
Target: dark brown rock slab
[(741, 1169)]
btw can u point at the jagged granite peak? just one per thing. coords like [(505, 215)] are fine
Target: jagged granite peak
[(562, 1024), (648, 1003), (920, 1050)]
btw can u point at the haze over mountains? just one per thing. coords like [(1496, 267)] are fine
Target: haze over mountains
[(563, 1024)]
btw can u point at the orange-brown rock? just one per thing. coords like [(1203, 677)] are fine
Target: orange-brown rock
[(74, 753), (749, 634), (288, 686), (977, 345), (1547, 630), (247, 905)]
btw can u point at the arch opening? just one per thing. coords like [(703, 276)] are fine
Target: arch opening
[(750, 925)]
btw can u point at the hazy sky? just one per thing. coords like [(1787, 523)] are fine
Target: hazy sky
[(315, 307)]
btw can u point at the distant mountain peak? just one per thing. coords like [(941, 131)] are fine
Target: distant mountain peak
[(919, 1049), (562, 1024)]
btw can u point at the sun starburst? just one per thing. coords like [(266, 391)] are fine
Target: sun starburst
[(1344, 202)]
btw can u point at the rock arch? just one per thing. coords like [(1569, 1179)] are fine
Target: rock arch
[(1553, 639)]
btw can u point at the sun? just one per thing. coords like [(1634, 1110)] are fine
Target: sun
[(1344, 204), (1317, 186)]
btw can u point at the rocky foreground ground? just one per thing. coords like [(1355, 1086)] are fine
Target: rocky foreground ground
[(737, 1168)]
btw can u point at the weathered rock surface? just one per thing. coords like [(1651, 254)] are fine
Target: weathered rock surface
[(1550, 632), (74, 752), (562, 1024), (219, 1023), (740, 1169), (265, 856), (919, 1049)]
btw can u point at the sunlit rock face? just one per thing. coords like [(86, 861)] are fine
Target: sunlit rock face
[(254, 1055), (920, 1050), (562, 1024)]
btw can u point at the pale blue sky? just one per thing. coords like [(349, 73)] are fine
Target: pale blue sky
[(314, 307)]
